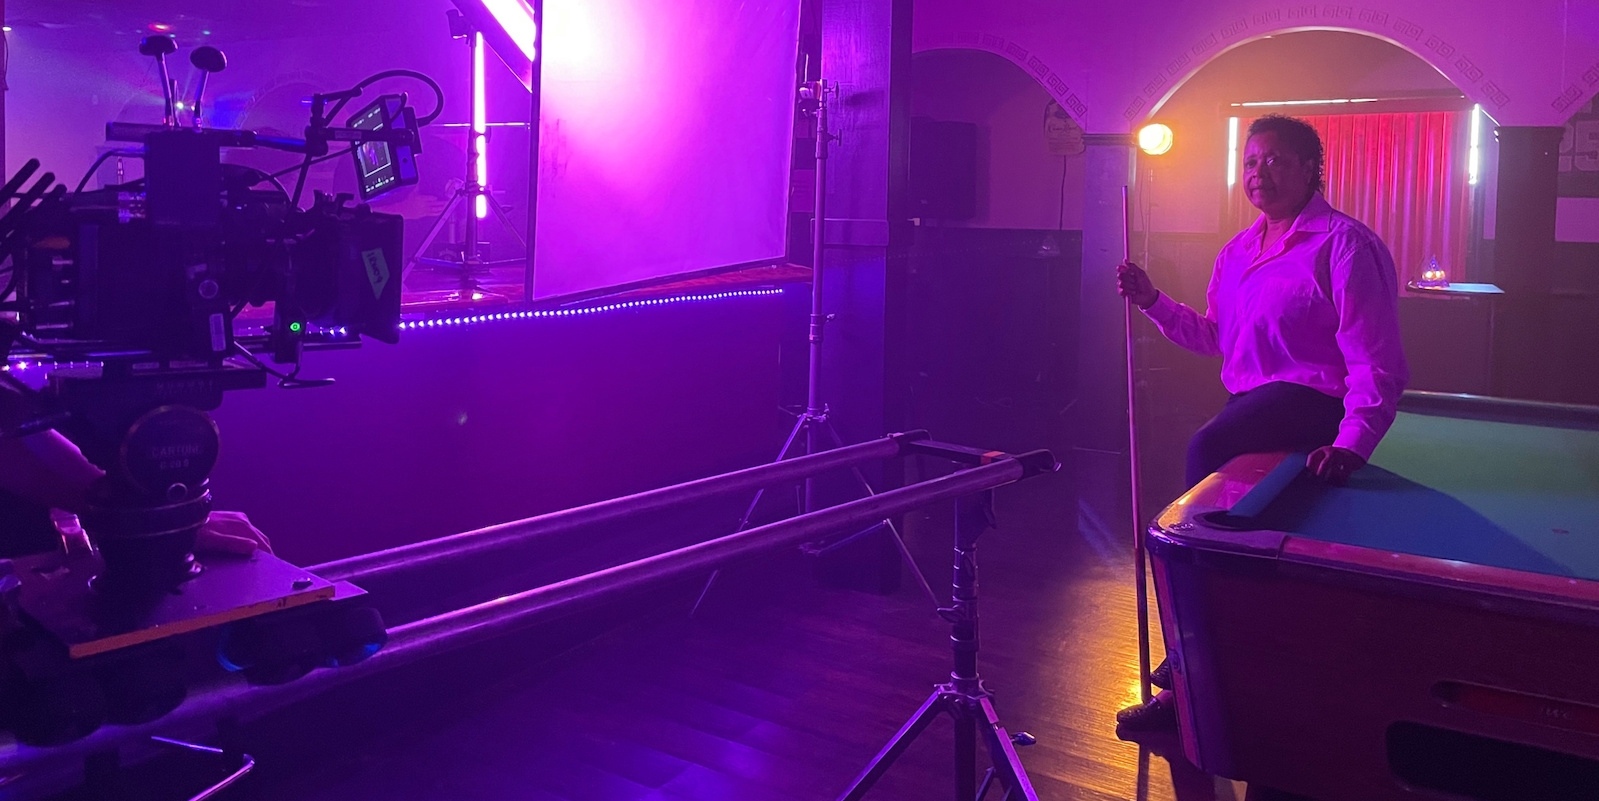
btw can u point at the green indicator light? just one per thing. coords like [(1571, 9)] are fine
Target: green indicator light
[(296, 327)]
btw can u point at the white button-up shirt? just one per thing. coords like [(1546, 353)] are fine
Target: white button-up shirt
[(1320, 308)]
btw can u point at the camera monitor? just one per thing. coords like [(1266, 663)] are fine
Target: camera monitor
[(381, 168)]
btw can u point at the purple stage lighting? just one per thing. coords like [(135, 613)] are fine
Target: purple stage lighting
[(511, 28), (665, 142), (516, 17), (480, 118)]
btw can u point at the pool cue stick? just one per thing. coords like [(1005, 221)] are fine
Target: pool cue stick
[(1142, 588)]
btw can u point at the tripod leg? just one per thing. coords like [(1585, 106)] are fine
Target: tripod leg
[(433, 233), (988, 783), (788, 444), (1007, 763), (936, 704), (505, 219), (749, 512), (965, 752), (905, 554), (893, 530)]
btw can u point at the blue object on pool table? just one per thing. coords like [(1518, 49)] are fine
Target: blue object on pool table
[(1254, 502), (1523, 497)]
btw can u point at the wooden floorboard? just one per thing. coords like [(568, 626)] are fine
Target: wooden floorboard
[(781, 689)]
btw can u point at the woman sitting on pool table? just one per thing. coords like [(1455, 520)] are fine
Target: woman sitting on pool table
[(1304, 311)]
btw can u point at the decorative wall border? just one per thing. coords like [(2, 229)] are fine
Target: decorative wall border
[(1573, 95), (1046, 76), (1411, 35)]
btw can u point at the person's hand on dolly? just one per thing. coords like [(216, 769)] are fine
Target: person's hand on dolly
[(1133, 284), (229, 533), (1333, 464)]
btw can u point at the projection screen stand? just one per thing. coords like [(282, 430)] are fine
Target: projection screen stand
[(813, 422)]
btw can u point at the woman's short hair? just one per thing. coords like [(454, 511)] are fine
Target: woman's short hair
[(1299, 137)]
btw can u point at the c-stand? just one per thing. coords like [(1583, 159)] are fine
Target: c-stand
[(813, 422)]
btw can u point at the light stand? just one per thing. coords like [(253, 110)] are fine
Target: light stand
[(964, 698), (472, 193), (813, 422)]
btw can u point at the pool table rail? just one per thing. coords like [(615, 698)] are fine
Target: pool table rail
[(1193, 521)]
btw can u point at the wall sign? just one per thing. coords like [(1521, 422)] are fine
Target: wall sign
[(1062, 134)]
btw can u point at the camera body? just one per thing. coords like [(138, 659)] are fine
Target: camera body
[(159, 275)]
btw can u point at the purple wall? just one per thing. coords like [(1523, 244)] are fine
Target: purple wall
[(458, 428)]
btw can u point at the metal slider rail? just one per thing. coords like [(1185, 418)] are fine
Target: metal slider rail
[(233, 698), (468, 543)]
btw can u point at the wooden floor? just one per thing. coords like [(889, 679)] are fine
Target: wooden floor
[(778, 689)]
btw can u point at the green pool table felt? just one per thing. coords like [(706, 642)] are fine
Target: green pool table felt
[(1523, 497)]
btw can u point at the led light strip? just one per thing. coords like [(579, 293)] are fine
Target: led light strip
[(1328, 102), (533, 314), (1232, 151), (21, 366), (1474, 154)]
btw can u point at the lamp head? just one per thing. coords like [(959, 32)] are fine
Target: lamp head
[(158, 45), (208, 59), (1155, 139)]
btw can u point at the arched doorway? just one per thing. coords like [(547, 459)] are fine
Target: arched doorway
[(1187, 208)]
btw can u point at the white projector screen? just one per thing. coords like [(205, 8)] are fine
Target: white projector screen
[(665, 138)]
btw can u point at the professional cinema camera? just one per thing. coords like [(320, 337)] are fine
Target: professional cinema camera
[(139, 289)]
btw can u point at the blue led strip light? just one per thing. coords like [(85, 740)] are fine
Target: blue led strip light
[(532, 314), (471, 319)]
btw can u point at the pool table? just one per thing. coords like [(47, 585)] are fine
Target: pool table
[(1428, 631)]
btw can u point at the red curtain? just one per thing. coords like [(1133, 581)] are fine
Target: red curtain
[(1402, 174)]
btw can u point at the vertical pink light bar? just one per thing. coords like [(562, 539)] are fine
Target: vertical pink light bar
[(480, 124)]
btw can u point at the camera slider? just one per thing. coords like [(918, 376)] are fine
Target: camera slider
[(73, 658), (56, 592)]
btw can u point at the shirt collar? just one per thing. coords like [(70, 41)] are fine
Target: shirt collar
[(1315, 217)]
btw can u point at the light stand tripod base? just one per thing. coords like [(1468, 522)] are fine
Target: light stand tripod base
[(964, 698), (966, 710), (468, 269), (807, 425)]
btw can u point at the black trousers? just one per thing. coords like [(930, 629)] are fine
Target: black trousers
[(1273, 417)]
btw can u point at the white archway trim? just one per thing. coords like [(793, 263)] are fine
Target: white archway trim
[(1030, 63), (1437, 52)]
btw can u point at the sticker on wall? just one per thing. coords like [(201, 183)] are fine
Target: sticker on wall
[(1062, 135)]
